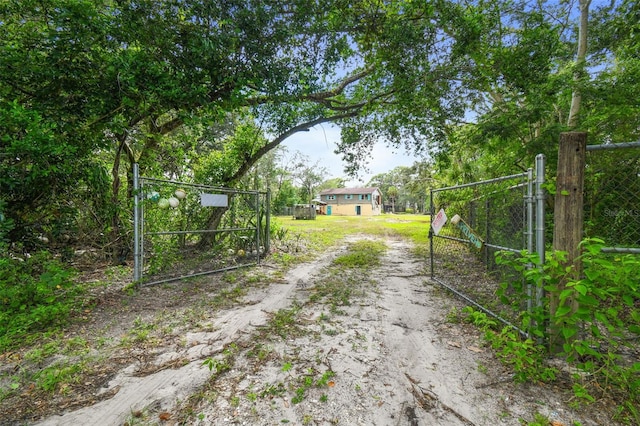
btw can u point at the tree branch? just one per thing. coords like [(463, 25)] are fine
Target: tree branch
[(253, 158), (319, 97)]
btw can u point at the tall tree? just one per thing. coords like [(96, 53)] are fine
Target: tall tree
[(309, 177), (581, 65), (332, 183)]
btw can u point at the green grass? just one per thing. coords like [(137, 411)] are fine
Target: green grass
[(328, 231), (362, 254)]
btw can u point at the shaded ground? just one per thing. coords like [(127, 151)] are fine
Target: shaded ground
[(384, 349)]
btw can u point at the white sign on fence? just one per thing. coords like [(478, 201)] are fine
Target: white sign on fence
[(438, 222), (214, 200)]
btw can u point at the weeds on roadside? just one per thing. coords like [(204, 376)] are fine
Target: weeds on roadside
[(526, 357), (37, 294), (223, 363), (302, 384), (344, 279), (362, 254), (598, 315), (284, 322)]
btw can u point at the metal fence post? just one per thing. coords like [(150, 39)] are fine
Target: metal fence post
[(267, 225), (137, 268), (540, 220), (487, 236), (258, 226), (531, 294), (432, 214)]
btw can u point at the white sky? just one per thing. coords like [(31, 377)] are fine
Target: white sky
[(320, 142)]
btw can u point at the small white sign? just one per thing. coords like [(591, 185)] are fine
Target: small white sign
[(438, 222), (214, 200)]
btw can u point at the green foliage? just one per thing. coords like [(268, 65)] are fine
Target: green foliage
[(522, 354), (362, 254), (286, 196), (283, 323), (37, 294), (606, 320), (308, 381), (52, 378), (225, 362), (6, 225), (40, 175), (221, 167), (522, 110)]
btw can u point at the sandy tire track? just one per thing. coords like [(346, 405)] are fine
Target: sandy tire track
[(393, 359)]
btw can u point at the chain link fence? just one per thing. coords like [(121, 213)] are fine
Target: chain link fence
[(184, 230), (612, 196), (470, 223)]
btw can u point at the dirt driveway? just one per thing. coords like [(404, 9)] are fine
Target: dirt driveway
[(384, 349)]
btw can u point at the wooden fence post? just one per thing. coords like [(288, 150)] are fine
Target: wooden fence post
[(568, 222)]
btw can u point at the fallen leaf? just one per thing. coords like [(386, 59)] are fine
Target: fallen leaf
[(165, 416), (454, 344), (475, 349), (331, 383), (556, 423)]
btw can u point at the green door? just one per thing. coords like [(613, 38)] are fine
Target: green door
[(328, 210), (358, 210)]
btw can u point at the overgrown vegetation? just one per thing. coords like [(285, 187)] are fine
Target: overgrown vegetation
[(601, 329), (38, 293)]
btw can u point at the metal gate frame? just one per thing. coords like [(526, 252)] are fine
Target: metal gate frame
[(139, 231), (534, 200)]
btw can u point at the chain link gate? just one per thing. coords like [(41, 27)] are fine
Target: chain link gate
[(471, 222), (185, 230)]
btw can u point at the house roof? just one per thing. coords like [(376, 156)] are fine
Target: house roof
[(352, 191)]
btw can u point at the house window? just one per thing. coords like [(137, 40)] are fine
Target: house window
[(331, 197), (348, 197), (364, 197)]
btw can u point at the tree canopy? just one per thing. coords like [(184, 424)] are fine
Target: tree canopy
[(198, 88)]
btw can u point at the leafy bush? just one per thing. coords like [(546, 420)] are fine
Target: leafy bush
[(524, 355), (6, 225), (37, 294), (607, 318)]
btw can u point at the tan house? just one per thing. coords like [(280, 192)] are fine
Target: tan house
[(352, 201)]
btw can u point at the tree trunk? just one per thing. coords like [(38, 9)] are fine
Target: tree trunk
[(579, 73), (119, 248), (115, 243), (209, 239)]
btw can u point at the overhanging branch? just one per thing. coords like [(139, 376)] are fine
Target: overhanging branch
[(253, 158)]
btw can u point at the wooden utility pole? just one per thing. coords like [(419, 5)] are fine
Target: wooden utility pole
[(568, 221)]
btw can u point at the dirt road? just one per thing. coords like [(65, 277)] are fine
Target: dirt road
[(391, 354)]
